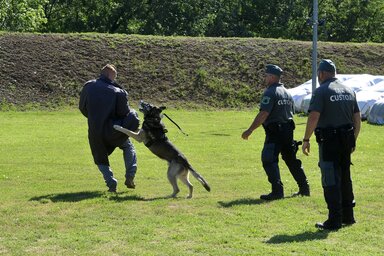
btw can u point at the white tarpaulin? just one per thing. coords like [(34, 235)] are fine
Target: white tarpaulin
[(369, 89), (376, 115), (366, 99)]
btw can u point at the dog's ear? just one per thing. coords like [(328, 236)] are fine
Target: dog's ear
[(162, 108)]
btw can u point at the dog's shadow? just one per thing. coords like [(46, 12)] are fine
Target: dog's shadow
[(87, 195), (242, 201), (120, 198), (303, 237)]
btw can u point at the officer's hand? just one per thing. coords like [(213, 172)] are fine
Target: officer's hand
[(306, 148), (246, 134)]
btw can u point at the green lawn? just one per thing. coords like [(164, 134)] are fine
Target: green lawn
[(53, 200)]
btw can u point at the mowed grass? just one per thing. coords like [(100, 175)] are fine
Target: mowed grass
[(53, 200)]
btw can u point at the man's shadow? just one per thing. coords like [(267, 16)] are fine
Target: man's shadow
[(86, 195), (242, 201), (278, 239), (68, 197), (247, 201), (306, 236)]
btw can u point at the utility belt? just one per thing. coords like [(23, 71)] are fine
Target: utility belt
[(278, 126), (345, 134)]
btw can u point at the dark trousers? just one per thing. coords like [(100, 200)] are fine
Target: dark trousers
[(279, 139), (335, 161)]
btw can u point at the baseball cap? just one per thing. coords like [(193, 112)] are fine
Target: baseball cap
[(273, 69), (327, 65)]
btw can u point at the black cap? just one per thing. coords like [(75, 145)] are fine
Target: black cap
[(327, 65), (273, 69)]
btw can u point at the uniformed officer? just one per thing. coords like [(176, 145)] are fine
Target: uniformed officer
[(105, 103), (276, 116), (335, 117)]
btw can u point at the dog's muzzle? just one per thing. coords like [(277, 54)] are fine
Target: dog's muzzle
[(144, 106)]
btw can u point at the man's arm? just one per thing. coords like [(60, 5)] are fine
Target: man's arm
[(259, 120), (313, 119), (122, 106), (357, 123), (83, 102)]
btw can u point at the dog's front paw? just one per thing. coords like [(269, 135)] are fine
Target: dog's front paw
[(121, 129), (117, 127)]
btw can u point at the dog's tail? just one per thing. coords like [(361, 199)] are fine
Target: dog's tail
[(199, 178)]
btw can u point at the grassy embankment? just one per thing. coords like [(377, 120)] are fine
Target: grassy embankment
[(48, 70)]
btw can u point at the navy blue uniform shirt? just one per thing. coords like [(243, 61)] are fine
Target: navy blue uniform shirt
[(278, 102), (102, 102)]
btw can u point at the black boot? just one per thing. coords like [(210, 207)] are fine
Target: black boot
[(348, 218), (333, 222), (328, 225), (277, 192), (112, 185), (129, 182), (303, 190)]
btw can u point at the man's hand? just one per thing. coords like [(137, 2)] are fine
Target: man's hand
[(246, 134), (306, 148)]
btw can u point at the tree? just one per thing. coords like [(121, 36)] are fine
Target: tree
[(345, 20), (22, 15), (178, 17), (352, 20), (108, 16)]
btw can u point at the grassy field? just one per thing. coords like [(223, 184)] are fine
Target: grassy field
[(53, 200)]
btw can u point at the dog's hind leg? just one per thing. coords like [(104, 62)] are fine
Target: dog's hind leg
[(184, 177), (173, 171)]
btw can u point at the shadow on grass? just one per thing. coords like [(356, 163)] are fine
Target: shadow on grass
[(76, 197), (68, 197), (86, 195), (220, 134), (306, 236), (120, 198), (242, 201)]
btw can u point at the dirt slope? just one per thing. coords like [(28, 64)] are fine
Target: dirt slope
[(49, 69)]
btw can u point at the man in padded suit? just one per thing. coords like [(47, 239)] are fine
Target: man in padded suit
[(105, 103), (276, 116), (335, 117)]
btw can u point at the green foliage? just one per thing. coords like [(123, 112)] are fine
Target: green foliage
[(6, 106), (349, 20), (352, 20), (54, 200), (22, 15)]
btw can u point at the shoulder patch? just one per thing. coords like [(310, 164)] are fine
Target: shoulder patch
[(265, 100)]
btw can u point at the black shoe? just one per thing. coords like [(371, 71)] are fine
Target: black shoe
[(112, 187), (348, 222), (129, 182), (272, 196), (303, 191), (328, 225), (348, 216)]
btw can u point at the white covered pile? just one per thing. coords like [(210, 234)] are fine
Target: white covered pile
[(369, 93)]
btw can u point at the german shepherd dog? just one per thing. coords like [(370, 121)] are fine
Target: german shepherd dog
[(152, 134)]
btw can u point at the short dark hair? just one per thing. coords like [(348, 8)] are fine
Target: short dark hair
[(110, 67)]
